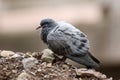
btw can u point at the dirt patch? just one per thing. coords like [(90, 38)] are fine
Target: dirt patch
[(37, 66)]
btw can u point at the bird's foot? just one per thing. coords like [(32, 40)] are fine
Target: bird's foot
[(59, 61)]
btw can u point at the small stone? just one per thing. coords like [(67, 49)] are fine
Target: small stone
[(15, 56), (37, 55), (44, 64), (4, 68), (1, 66), (14, 71), (2, 60), (6, 53), (64, 66), (29, 62), (25, 76), (49, 65), (110, 78), (20, 53), (89, 72), (39, 70), (46, 76), (28, 54), (8, 73), (47, 56)]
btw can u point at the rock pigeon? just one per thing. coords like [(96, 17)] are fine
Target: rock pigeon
[(66, 40)]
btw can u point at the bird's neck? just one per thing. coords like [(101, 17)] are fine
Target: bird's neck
[(45, 32)]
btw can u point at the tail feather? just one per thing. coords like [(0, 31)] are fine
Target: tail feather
[(87, 60), (95, 59)]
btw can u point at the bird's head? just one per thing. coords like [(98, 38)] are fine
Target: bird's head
[(47, 23)]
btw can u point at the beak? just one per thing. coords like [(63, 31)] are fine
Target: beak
[(38, 27)]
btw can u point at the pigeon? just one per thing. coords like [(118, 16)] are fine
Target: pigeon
[(66, 40)]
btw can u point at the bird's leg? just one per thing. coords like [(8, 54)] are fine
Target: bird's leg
[(88, 67), (56, 59), (59, 61), (62, 61)]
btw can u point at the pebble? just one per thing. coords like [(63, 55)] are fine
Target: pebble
[(25, 76), (29, 62), (5, 53), (83, 71), (47, 56)]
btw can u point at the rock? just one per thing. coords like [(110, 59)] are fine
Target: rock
[(6, 53), (49, 65), (21, 66), (14, 71), (37, 55), (25, 76), (65, 66), (91, 73), (28, 63), (16, 55), (47, 56), (28, 54), (43, 65), (21, 54)]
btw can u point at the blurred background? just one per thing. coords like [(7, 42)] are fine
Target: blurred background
[(99, 19)]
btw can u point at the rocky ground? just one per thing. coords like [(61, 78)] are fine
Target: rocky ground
[(38, 66)]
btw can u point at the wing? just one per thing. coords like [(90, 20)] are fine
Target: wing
[(68, 39)]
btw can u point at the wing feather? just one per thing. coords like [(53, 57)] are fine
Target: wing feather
[(69, 39)]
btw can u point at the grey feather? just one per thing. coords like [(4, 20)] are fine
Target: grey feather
[(67, 35), (66, 40)]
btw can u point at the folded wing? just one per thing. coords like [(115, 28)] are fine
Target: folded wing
[(66, 39)]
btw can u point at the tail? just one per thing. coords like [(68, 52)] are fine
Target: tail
[(95, 59), (87, 60)]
